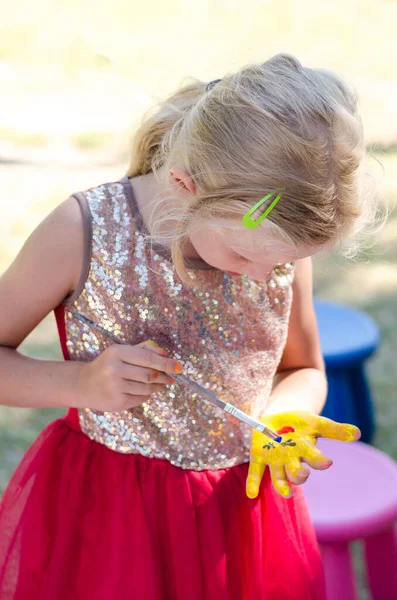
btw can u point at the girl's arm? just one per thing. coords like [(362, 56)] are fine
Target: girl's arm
[(300, 382), (45, 271), (299, 393)]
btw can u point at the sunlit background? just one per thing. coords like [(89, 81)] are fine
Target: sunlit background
[(76, 77)]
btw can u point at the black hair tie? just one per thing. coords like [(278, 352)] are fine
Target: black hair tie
[(211, 84)]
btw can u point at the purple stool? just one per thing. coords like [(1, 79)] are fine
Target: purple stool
[(356, 499)]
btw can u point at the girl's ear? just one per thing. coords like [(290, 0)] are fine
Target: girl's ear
[(179, 176)]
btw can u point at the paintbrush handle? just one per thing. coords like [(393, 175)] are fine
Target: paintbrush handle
[(227, 407)]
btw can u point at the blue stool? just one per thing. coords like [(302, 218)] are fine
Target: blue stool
[(348, 338)]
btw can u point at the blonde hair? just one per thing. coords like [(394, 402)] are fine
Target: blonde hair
[(271, 125)]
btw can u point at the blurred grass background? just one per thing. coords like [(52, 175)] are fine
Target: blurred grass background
[(76, 77)]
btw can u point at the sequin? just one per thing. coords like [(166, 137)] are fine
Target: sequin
[(229, 333)]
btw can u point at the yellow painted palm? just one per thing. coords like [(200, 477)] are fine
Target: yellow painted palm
[(299, 431)]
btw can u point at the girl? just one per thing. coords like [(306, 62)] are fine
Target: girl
[(139, 492)]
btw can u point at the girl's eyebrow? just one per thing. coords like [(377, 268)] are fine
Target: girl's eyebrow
[(249, 258), (238, 252), (238, 249), (249, 254)]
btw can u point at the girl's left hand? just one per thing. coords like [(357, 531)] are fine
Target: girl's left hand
[(299, 430)]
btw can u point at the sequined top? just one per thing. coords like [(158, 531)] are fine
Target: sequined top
[(229, 334)]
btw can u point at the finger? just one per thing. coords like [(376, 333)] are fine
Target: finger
[(337, 431), (145, 357), (315, 458), (144, 375), (255, 473), (131, 402), (135, 388), (280, 481), (296, 472), (152, 345)]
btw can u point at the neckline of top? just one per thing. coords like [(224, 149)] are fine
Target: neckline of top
[(191, 263)]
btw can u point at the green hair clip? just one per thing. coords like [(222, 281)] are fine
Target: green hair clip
[(248, 222)]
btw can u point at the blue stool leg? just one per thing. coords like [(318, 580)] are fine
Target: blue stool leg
[(339, 405), (364, 407), (349, 399)]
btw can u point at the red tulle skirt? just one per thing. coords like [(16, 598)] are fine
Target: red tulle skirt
[(81, 522)]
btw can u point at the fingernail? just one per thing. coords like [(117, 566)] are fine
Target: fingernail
[(171, 380), (251, 493), (178, 367), (303, 473), (154, 345), (285, 491), (354, 434)]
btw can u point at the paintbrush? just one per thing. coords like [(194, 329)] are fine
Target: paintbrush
[(196, 387)]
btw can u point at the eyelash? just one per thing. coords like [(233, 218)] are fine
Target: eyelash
[(243, 259)]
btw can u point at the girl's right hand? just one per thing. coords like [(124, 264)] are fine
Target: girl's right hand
[(124, 376)]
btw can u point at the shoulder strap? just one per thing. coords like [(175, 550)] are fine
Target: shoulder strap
[(87, 240)]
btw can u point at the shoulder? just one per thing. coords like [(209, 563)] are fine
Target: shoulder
[(108, 203), (59, 240), (43, 273), (66, 217), (61, 229)]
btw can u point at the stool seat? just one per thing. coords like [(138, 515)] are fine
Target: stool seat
[(356, 499), (356, 496), (347, 335)]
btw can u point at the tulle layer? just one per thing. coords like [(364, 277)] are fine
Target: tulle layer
[(81, 522)]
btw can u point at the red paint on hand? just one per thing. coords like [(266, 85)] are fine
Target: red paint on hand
[(285, 429)]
